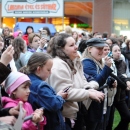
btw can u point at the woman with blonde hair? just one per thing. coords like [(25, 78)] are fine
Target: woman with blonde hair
[(93, 66), (75, 36)]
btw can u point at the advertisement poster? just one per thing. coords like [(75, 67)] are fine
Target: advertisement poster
[(32, 8)]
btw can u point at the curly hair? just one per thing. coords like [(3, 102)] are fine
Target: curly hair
[(19, 46), (56, 49)]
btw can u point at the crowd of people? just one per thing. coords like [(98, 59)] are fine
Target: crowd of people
[(69, 81)]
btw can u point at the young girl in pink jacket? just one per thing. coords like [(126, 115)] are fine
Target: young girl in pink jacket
[(17, 86)]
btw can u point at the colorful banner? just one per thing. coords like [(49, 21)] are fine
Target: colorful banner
[(32, 8)]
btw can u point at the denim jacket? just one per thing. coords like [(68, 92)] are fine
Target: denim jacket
[(43, 95)]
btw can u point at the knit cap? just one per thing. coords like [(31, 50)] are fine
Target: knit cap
[(14, 80), (15, 34)]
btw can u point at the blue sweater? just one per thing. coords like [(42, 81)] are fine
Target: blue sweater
[(43, 95)]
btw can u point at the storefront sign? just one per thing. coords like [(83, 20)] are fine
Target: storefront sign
[(32, 8), (80, 25)]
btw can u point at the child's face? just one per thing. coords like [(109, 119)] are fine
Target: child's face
[(35, 42), (23, 91), (45, 71)]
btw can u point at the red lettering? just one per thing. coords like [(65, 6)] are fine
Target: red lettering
[(15, 7)]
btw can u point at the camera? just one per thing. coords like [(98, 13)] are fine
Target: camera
[(111, 81), (8, 41)]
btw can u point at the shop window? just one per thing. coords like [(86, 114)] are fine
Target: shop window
[(79, 14), (121, 19), (8, 22)]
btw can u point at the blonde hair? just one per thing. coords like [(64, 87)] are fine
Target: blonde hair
[(68, 30), (77, 35), (87, 54)]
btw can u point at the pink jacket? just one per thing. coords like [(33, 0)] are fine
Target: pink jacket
[(28, 125)]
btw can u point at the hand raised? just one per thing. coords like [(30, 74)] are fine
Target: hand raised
[(7, 55)]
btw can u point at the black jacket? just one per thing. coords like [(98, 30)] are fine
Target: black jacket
[(121, 89), (4, 72)]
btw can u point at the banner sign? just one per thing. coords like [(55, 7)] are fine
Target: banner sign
[(32, 8), (81, 25)]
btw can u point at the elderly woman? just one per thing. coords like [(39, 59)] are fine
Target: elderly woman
[(67, 72)]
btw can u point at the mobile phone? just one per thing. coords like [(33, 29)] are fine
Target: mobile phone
[(110, 54), (7, 42), (66, 89)]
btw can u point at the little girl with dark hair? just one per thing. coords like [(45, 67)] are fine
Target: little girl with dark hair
[(17, 86)]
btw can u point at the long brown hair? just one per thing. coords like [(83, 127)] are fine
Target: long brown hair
[(19, 46), (56, 49), (127, 44)]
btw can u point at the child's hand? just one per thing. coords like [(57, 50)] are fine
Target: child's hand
[(8, 120), (15, 110), (108, 61), (43, 41), (37, 115), (62, 94)]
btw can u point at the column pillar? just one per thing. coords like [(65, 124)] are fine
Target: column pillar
[(102, 16)]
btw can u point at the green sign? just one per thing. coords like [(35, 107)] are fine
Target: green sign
[(80, 25)]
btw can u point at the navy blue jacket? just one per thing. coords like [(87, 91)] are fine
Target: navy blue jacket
[(43, 95), (90, 68), (95, 111)]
